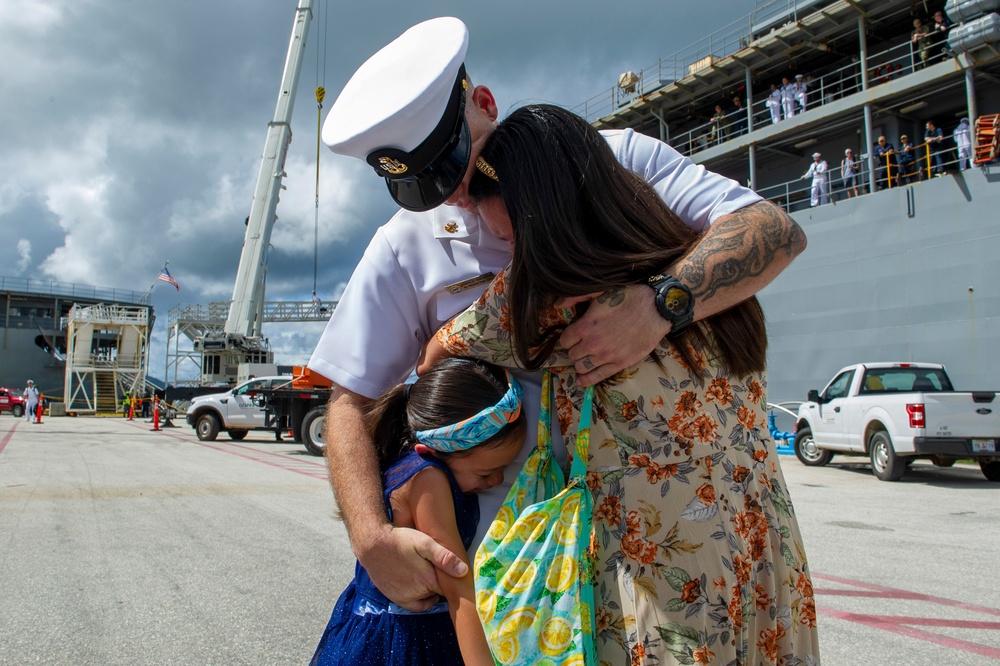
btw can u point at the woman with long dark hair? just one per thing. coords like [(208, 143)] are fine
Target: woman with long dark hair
[(698, 553)]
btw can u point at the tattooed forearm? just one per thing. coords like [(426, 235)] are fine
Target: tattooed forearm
[(750, 246)]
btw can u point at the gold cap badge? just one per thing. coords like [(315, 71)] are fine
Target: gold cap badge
[(393, 166)]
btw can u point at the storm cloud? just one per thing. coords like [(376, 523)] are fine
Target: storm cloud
[(133, 130)]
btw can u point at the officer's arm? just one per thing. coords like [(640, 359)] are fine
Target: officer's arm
[(400, 561), (737, 256)]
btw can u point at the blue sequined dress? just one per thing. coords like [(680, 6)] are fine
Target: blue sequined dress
[(366, 629)]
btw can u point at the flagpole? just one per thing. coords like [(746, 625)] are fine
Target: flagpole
[(155, 280)]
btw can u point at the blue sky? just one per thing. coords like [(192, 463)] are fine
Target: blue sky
[(132, 129)]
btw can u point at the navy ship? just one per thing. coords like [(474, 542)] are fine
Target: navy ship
[(33, 333), (902, 267)]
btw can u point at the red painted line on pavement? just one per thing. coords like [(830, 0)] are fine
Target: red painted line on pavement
[(10, 433), (894, 593), (288, 466), (865, 593), (887, 624), (938, 622), (305, 468)]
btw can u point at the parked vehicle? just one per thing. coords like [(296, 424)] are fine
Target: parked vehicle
[(12, 400), (237, 411), (300, 407), (895, 413)]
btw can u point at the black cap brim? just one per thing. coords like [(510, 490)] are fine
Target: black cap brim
[(433, 185)]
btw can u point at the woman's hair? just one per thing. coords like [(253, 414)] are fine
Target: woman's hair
[(451, 391), (582, 223)]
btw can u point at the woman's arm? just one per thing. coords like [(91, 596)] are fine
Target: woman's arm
[(430, 500), (483, 331), (736, 257), (432, 352)]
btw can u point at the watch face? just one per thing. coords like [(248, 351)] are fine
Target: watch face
[(677, 300)]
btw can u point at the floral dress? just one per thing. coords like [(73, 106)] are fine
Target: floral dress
[(699, 556)]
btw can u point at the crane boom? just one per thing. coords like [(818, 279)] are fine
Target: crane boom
[(241, 343), (248, 294)]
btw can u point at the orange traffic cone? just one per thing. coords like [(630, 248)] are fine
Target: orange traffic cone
[(38, 410), (131, 408), (156, 413)]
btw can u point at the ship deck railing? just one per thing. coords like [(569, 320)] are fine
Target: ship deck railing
[(765, 19), (884, 66), (795, 195), (72, 290)]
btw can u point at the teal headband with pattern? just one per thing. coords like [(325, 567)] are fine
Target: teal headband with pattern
[(475, 429)]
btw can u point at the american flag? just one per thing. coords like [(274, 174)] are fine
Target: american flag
[(165, 276)]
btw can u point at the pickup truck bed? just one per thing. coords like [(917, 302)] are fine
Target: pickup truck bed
[(895, 413)]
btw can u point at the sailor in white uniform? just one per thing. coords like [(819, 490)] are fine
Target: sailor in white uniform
[(788, 97), (800, 89), (820, 194), (773, 103), (31, 401), (963, 140), (412, 113)]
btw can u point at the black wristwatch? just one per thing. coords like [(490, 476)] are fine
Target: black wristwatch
[(674, 301)]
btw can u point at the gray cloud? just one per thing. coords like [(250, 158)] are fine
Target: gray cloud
[(133, 129)]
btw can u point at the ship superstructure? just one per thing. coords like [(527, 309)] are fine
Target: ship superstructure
[(908, 269)]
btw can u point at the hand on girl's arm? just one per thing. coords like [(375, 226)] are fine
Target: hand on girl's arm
[(401, 562), (736, 257), (433, 511)]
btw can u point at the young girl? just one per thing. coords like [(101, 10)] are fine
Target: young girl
[(448, 435)]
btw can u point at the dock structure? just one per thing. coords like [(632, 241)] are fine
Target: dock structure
[(190, 325), (101, 377)]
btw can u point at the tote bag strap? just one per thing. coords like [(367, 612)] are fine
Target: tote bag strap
[(582, 448), (545, 413), (579, 468)]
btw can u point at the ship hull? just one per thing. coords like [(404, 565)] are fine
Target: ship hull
[(907, 274)]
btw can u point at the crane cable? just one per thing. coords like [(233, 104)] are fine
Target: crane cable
[(320, 94)]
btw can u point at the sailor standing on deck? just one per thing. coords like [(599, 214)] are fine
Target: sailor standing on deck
[(31, 398), (800, 89), (774, 103), (820, 185), (787, 97), (963, 139)]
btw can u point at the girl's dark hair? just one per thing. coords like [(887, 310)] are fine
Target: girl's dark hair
[(582, 223), (452, 390)]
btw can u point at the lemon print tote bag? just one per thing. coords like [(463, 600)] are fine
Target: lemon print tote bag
[(534, 578)]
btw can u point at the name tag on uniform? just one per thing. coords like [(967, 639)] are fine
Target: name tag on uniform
[(459, 287)]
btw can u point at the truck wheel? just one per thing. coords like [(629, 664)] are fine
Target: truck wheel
[(207, 427), (886, 465), (807, 452), (18, 411), (991, 469), (312, 432), (238, 435)]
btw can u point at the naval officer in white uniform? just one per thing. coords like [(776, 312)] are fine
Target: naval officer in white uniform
[(820, 192), (414, 115)]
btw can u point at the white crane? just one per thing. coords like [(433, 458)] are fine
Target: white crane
[(242, 342)]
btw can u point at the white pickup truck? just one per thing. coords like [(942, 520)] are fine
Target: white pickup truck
[(895, 413), (237, 411)]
